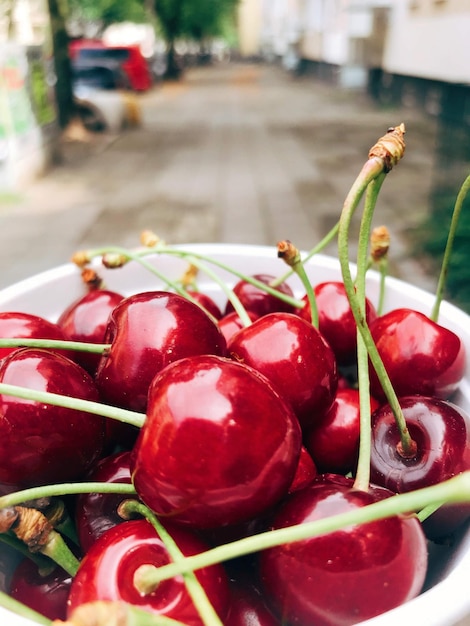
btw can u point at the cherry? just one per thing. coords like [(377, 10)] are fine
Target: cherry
[(97, 512), (219, 445), (258, 301), (248, 608), (305, 473), (346, 576), (441, 431), (28, 326), (420, 356), (46, 593), (336, 320), (231, 323), (333, 441), (148, 331), (86, 319), (107, 573), (41, 443), (293, 355), (206, 302)]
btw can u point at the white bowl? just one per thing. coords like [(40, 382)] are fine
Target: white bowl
[(446, 599)]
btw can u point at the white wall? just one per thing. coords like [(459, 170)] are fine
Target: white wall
[(434, 45)]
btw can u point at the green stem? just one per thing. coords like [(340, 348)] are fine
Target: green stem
[(57, 550), (43, 563), (371, 170), (329, 237), (448, 249), (190, 256), (363, 467), (56, 399), (64, 489), (195, 589), (454, 490), (53, 344), (21, 609), (383, 273), (291, 255)]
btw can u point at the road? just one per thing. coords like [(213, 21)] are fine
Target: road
[(232, 153)]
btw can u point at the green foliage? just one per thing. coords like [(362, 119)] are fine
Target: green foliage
[(432, 238), (107, 12), (194, 19)]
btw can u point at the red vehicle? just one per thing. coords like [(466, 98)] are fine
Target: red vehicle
[(130, 58)]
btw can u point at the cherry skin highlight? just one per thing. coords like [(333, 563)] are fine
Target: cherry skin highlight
[(259, 302), (293, 355), (219, 445), (441, 431), (41, 443), (420, 356), (86, 320), (148, 331), (107, 573), (346, 576), (28, 326), (335, 319)]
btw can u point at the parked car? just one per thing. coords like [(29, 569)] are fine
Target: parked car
[(130, 59), (103, 99)]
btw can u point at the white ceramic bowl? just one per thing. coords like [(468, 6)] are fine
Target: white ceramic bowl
[(446, 599)]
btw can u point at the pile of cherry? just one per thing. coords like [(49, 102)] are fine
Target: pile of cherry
[(246, 429), (221, 449)]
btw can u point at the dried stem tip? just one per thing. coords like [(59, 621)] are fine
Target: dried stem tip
[(379, 243), (113, 260), (91, 279), (189, 277), (81, 258), (149, 239), (390, 148), (288, 252)]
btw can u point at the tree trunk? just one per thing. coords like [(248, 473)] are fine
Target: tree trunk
[(60, 43)]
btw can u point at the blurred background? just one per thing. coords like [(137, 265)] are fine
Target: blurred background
[(229, 120)]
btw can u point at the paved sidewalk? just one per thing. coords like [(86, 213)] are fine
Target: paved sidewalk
[(232, 153)]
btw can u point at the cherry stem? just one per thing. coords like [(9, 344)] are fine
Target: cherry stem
[(78, 404), (448, 249), (44, 564), (373, 168), (143, 578), (64, 489), (454, 490), (57, 550), (291, 255), (9, 603), (327, 239), (53, 344), (191, 256), (363, 466)]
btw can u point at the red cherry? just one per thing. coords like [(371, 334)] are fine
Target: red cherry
[(86, 320), (148, 331), (28, 326), (441, 431), (258, 301), (231, 323), (97, 512), (339, 578), (41, 443), (293, 355), (420, 356), (107, 573), (45, 593), (207, 303), (335, 319), (248, 608), (219, 445), (333, 442), (305, 473)]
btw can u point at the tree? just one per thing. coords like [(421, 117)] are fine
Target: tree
[(60, 42), (199, 20)]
